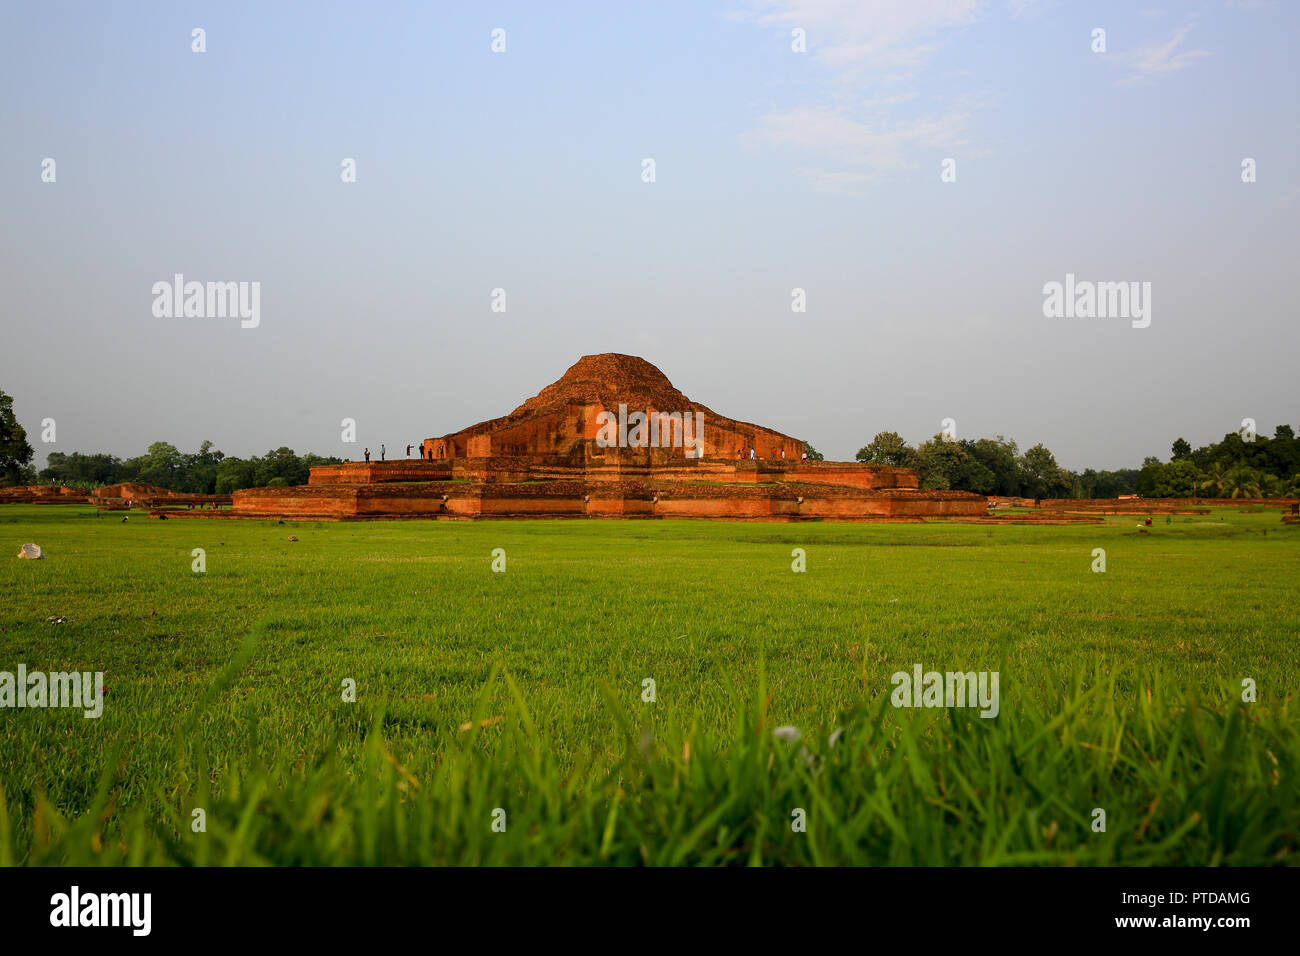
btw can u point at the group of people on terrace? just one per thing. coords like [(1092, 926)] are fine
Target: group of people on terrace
[(776, 453)]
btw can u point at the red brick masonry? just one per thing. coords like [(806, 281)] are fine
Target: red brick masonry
[(544, 460)]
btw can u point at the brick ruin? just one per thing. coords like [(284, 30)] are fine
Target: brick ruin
[(115, 497), (561, 422), (42, 495), (575, 449)]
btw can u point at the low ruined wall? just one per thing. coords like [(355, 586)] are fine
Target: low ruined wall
[(614, 497), (491, 469), (43, 495), (303, 501), (524, 507), (621, 507), (364, 473), (854, 474), (720, 507), (186, 501), (133, 490), (843, 507), (42, 500), (968, 506), (42, 491)]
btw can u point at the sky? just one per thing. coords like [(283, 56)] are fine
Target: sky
[(827, 169)]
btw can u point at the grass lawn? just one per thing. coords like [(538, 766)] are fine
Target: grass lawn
[(1119, 690)]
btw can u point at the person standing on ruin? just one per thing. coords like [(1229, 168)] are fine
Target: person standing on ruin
[(408, 451), (367, 456), (382, 451)]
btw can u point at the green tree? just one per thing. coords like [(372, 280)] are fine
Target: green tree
[(1182, 449), (82, 471), (160, 465), (235, 473), (1273, 486), (1178, 479), (15, 454), (813, 453), (1000, 456), (939, 463), (1242, 482), (199, 470), (1214, 480), (1042, 476), (888, 448), (281, 463), (1149, 476), (1125, 480)]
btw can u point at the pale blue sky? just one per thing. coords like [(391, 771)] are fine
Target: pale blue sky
[(775, 170)]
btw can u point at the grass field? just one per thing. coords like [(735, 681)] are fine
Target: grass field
[(1119, 690)]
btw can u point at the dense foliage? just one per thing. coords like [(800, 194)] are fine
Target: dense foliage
[(15, 452), (1232, 468), (203, 472)]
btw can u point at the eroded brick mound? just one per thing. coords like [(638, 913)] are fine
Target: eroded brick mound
[(607, 379), (42, 495), (41, 491), (562, 418), (132, 489)]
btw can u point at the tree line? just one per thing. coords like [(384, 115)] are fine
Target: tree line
[(1232, 468), (206, 471), (988, 466)]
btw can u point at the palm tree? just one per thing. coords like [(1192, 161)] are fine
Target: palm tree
[(1242, 481), (1215, 481)]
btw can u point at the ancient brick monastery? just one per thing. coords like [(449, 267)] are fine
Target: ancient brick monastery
[(612, 438)]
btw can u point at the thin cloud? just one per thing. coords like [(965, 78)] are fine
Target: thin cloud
[(886, 34), (1151, 62), (876, 45)]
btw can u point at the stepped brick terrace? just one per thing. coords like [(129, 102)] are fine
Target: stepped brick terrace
[(611, 438)]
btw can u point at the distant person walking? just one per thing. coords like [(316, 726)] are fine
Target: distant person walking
[(751, 454), (367, 455), (408, 451)]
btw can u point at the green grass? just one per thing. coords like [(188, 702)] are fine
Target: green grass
[(1118, 690)]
